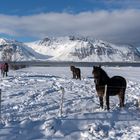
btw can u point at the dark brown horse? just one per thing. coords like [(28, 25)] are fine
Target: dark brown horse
[(106, 86), (75, 72)]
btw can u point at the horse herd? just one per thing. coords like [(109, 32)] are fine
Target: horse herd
[(105, 86)]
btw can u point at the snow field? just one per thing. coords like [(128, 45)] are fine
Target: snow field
[(31, 101)]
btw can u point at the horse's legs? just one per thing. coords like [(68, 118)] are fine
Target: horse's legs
[(121, 98), (74, 75), (121, 102), (107, 101), (101, 102), (79, 76)]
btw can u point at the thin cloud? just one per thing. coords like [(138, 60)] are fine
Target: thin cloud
[(120, 26), (115, 4)]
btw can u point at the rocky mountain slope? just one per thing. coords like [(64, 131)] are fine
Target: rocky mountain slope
[(82, 49), (18, 51), (68, 48)]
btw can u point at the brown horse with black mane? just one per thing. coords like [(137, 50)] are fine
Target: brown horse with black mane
[(75, 72), (106, 86)]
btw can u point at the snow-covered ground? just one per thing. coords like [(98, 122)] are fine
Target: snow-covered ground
[(31, 99)]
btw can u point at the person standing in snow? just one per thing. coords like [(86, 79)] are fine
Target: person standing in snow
[(2, 69), (6, 69)]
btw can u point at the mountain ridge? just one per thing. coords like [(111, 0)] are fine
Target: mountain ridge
[(19, 50), (82, 49), (69, 48)]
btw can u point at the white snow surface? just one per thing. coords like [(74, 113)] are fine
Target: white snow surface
[(31, 99)]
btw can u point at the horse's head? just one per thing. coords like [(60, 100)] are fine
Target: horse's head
[(100, 76), (96, 74), (72, 68)]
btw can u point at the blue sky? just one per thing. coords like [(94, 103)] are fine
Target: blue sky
[(116, 21), (29, 7)]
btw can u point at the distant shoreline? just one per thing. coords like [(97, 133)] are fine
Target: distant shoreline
[(68, 63)]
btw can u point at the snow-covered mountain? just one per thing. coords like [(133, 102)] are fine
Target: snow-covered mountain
[(73, 48), (18, 51), (68, 48)]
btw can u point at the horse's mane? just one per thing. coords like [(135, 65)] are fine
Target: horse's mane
[(104, 76), (104, 73)]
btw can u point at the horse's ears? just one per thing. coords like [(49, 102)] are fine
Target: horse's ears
[(97, 66)]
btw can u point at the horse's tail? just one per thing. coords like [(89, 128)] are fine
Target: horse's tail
[(123, 92), (124, 85), (79, 73)]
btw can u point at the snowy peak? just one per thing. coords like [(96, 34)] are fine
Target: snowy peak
[(18, 51), (4, 41), (68, 48), (73, 48), (44, 42)]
